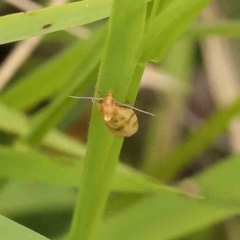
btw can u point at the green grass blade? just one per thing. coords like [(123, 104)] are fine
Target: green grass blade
[(33, 166), (46, 79), (21, 198), (216, 187), (226, 28), (13, 163), (11, 230), (65, 171), (196, 143), (163, 217), (14, 122), (63, 143), (28, 24), (83, 77), (168, 26), (164, 130), (153, 217), (119, 62), (154, 8)]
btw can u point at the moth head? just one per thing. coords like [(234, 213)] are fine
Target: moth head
[(108, 107), (109, 112)]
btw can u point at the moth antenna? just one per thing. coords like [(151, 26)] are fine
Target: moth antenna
[(137, 109), (88, 98)]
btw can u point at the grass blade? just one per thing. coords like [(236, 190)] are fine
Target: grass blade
[(170, 24), (76, 85), (21, 198), (14, 163), (124, 36), (65, 171), (14, 122), (46, 79), (220, 28), (197, 142), (164, 133), (151, 218), (39, 22), (12, 230)]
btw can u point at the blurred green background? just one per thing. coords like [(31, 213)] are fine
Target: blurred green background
[(177, 177)]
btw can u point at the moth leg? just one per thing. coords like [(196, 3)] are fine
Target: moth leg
[(98, 91)]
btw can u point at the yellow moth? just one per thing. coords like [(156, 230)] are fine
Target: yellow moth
[(120, 118)]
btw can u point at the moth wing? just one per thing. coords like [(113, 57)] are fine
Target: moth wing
[(125, 124)]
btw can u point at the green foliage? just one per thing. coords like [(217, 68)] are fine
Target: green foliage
[(39, 22), (219, 28), (10, 230), (171, 23), (155, 213), (198, 141), (39, 164), (58, 70), (116, 73), (50, 169)]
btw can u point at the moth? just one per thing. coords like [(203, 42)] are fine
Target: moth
[(120, 118)]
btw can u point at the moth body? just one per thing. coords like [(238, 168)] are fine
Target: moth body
[(120, 118), (121, 121)]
